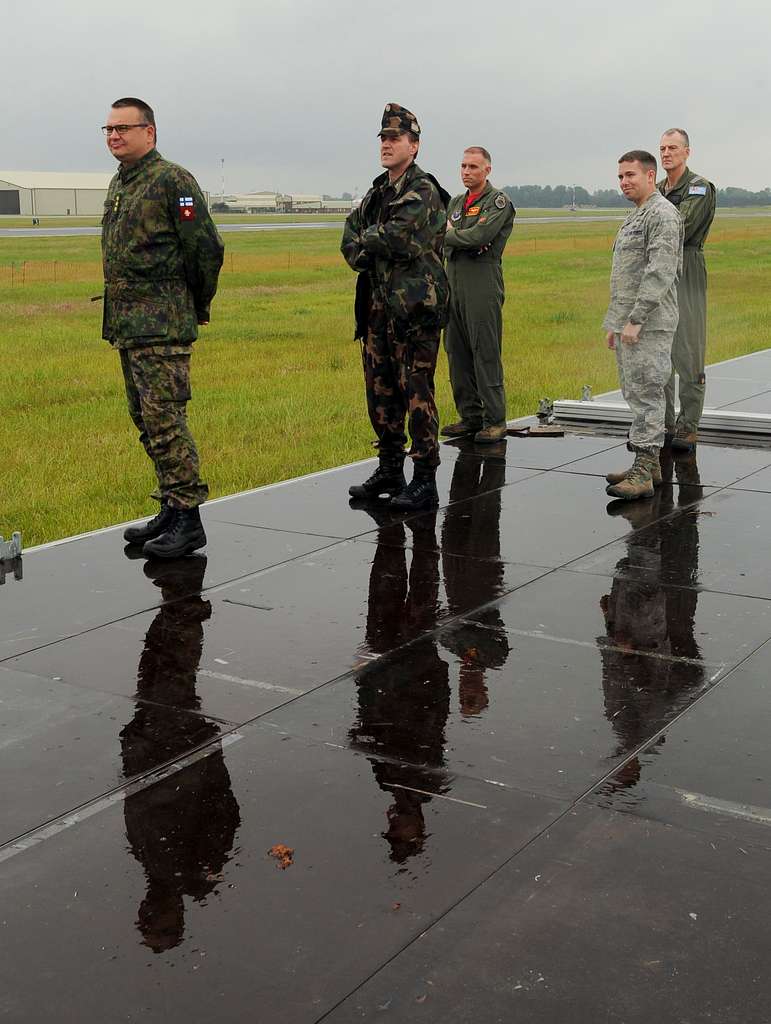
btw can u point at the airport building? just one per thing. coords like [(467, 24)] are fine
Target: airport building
[(53, 193), (278, 202)]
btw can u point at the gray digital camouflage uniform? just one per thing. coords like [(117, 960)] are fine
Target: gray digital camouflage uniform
[(647, 261), (695, 199), (162, 255)]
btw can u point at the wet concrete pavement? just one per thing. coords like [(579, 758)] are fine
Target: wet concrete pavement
[(518, 747)]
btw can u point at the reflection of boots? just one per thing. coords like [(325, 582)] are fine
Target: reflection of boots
[(687, 475), (420, 493), (177, 579), (637, 482), (385, 482), (637, 514)]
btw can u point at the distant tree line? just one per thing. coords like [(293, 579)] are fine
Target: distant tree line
[(557, 196)]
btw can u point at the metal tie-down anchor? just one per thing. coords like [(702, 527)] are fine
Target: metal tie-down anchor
[(586, 393), (10, 557), (10, 548), (546, 427)]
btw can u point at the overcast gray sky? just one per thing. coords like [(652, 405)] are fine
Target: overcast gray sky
[(290, 94)]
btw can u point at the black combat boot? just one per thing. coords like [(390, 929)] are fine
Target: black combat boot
[(419, 494), (385, 482), (151, 529), (184, 534)]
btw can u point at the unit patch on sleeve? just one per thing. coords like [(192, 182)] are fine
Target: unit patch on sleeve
[(186, 208), (500, 200), (697, 190)]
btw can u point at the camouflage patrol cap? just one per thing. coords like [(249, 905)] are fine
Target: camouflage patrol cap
[(397, 120)]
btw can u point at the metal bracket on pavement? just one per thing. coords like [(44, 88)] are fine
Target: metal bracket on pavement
[(724, 422), (13, 565), (10, 549)]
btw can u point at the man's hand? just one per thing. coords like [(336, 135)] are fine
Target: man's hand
[(450, 225), (610, 339), (630, 334)]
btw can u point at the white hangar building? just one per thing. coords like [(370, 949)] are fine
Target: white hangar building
[(52, 193)]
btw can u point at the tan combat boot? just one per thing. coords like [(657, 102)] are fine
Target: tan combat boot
[(616, 478), (490, 435), (459, 429), (638, 481), (683, 440)]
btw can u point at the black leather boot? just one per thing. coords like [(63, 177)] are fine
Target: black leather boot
[(385, 482), (184, 534), (419, 494), (151, 529)]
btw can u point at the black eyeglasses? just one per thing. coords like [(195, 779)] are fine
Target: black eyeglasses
[(121, 129)]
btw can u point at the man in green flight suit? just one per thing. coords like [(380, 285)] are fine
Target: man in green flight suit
[(162, 256), (479, 224), (694, 197)]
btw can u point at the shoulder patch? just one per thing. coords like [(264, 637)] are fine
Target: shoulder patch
[(500, 200), (186, 208), (697, 190)]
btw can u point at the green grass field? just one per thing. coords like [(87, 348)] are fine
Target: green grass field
[(277, 377)]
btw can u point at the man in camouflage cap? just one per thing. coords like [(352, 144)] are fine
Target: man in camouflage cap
[(695, 198), (394, 242), (478, 226), (162, 256), (642, 317)]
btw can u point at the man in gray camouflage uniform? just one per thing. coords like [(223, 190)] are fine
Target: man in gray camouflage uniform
[(642, 317)]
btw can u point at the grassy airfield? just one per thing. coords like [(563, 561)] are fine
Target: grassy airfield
[(277, 377)]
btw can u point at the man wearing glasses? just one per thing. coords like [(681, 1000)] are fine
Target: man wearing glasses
[(162, 256)]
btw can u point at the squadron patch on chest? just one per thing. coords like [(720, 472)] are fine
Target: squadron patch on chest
[(186, 208), (472, 211), (455, 216), (500, 200)]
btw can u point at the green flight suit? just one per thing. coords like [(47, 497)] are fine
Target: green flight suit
[(474, 245), (695, 198)]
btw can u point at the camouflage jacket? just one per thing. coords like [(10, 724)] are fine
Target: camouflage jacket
[(481, 232), (647, 261), (695, 198), (394, 240), (161, 254)]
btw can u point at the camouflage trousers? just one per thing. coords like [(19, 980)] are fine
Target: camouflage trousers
[(158, 389), (643, 371), (399, 363)]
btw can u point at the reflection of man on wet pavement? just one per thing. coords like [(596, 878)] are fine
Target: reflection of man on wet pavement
[(651, 661), (473, 528), (181, 828), (404, 701)]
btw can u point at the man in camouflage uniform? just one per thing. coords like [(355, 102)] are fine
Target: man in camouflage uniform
[(162, 255), (642, 316), (478, 226), (695, 198), (394, 242)]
